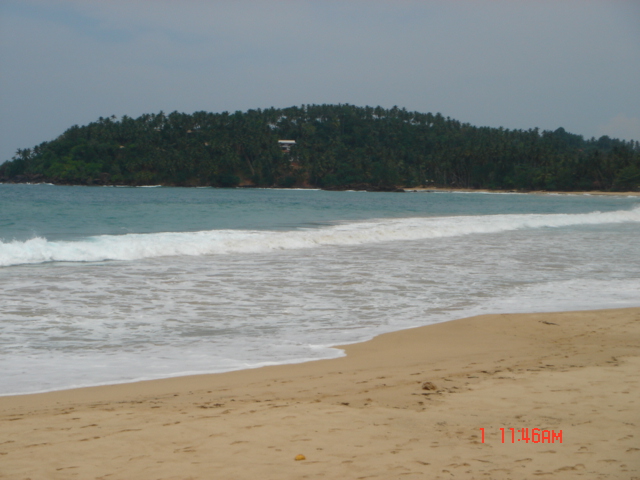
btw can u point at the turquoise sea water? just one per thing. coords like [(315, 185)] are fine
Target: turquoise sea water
[(106, 285), (68, 213)]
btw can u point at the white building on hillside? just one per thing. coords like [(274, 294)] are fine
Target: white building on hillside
[(285, 145)]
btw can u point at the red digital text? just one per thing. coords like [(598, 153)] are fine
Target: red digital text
[(527, 435)]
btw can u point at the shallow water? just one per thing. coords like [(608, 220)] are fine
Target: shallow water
[(107, 285)]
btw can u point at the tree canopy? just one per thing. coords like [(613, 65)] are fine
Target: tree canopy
[(337, 146)]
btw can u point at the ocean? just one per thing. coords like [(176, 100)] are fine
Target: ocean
[(104, 285)]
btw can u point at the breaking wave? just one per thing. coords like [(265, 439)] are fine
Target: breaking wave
[(212, 242)]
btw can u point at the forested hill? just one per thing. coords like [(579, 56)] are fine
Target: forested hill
[(337, 146)]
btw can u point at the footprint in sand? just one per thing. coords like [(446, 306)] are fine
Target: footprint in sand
[(578, 466)]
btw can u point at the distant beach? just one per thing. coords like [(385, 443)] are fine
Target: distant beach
[(534, 192)]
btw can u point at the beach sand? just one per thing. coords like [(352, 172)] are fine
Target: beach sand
[(366, 415), (530, 192)]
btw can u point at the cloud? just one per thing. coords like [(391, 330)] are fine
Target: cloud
[(496, 63), (621, 126)]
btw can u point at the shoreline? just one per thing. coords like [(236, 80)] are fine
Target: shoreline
[(518, 192), (373, 190), (409, 403)]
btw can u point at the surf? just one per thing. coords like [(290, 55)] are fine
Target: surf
[(221, 242)]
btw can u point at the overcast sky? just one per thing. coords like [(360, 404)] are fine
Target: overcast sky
[(516, 64)]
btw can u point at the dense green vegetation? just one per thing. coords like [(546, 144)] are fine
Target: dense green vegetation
[(338, 146)]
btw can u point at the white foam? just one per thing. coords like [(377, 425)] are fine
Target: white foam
[(69, 324), (216, 242)]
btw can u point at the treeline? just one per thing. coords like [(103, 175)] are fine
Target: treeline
[(337, 146)]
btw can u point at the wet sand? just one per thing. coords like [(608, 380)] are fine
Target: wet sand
[(409, 404)]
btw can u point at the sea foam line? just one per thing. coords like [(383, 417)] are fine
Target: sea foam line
[(212, 242)]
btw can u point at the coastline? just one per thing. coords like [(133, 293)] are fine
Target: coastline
[(368, 414), (371, 190), (532, 192)]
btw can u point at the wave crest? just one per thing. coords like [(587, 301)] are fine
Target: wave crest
[(212, 242)]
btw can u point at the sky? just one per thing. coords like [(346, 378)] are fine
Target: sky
[(518, 64)]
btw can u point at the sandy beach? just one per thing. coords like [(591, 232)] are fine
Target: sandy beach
[(409, 404), (529, 192)]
